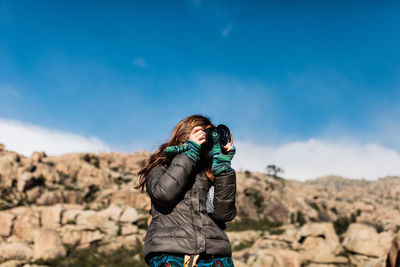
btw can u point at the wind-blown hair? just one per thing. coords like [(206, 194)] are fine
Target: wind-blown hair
[(179, 135)]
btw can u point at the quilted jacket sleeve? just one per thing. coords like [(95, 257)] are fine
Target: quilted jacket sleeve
[(225, 196), (167, 185)]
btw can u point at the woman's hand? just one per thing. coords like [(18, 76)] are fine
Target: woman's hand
[(221, 162), (191, 147), (198, 135)]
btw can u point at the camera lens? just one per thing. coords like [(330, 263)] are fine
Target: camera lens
[(209, 139), (224, 134)]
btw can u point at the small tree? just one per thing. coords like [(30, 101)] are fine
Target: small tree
[(273, 170)]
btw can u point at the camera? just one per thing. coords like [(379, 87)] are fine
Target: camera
[(224, 136)]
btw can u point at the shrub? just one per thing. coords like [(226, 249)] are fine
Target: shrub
[(91, 194), (341, 225), (314, 206), (276, 231), (358, 212), (242, 245), (353, 217), (300, 218), (379, 228), (256, 198), (121, 257), (334, 210), (251, 224), (292, 218)]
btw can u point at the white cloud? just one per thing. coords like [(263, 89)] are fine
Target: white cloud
[(227, 30), (301, 160), (25, 138), (9, 91), (314, 158), (140, 62)]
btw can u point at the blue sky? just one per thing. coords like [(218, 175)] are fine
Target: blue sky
[(276, 72)]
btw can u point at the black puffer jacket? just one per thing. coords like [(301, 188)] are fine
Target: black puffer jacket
[(180, 223)]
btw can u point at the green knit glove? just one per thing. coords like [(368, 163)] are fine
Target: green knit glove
[(189, 148), (220, 162)]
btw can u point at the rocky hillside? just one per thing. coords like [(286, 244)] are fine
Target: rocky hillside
[(53, 208)]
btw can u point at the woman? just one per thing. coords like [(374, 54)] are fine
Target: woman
[(192, 189)]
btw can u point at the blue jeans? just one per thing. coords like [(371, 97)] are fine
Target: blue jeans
[(166, 260)]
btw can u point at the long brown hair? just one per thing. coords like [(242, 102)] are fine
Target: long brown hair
[(179, 135)]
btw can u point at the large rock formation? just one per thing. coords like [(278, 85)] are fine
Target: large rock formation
[(48, 244), (363, 239), (49, 204), (393, 258)]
